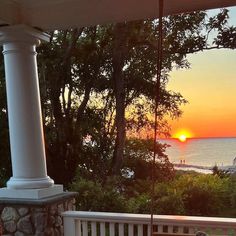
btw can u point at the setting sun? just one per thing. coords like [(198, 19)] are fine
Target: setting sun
[(182, 135), (182, 138)]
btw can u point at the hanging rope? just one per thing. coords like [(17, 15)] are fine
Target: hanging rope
[(157, 99)]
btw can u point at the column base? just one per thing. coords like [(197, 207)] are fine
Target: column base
[(31, 193), (29, 183)]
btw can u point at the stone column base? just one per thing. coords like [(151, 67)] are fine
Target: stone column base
[(35, 217)]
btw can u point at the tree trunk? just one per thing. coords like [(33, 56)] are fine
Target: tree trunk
[(118, 60)]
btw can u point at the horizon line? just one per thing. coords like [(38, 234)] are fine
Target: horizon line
[(216, 137)]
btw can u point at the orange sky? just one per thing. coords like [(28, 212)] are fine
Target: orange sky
[(210, 88)]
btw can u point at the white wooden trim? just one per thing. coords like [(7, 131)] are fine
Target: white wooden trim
[(193, 223)]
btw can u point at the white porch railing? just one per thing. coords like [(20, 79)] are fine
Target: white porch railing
[(81, 223)]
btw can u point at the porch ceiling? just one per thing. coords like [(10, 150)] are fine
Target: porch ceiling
[(62, 14)]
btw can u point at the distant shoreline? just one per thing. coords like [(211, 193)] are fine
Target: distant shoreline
[(202, 153), (230, 168), (193, 166)]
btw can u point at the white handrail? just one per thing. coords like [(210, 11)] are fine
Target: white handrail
[(82, 223)]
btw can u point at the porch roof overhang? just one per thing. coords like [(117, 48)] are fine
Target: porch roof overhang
[(64, 14)]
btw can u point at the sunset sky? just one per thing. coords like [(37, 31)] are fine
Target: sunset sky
[(210, 88)]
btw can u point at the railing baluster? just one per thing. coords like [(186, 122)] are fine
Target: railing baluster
[(111, 229), (86, 224), (131, 230), (170, 229), (148, 230), (70, 226), (121, 229), (181, 229), (85, 228), (160, 229), (140, 230), (102, 229), (192, 230), (78, 228), (94, 229)]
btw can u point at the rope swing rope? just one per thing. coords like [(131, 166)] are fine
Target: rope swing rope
[(157, 99)]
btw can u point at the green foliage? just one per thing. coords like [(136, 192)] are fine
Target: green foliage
[(97, 197), (187, 194), (81, 86), (141, 204), (167, 199), (170, 205), (220, 173), (78, 90), (201, 194), (181, 194), (139, 156)]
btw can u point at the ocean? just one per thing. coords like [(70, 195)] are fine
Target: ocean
[(202, 151)]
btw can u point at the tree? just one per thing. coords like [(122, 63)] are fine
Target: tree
[(100, 74), (138, 160), (85, 70), (93, 79), (120, 50), (69, 64), (202, 194)]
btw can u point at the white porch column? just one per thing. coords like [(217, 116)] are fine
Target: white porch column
[(24, 109)]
